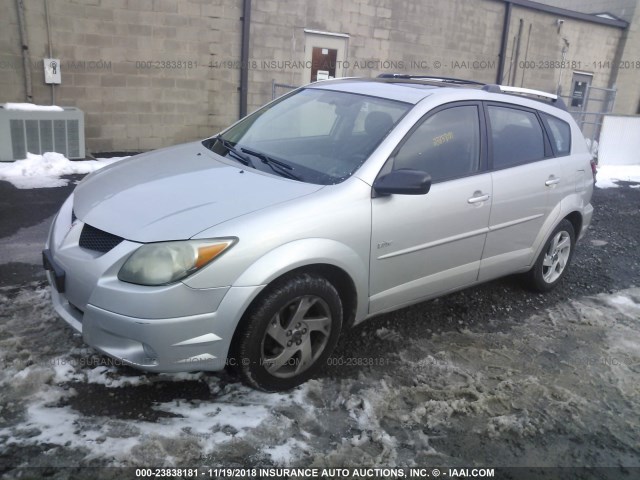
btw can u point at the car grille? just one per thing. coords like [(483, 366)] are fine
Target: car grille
[(93, 239)]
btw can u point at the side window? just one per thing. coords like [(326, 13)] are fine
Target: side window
[(446, 144), (560, 132), (517, 137), (367, 113)]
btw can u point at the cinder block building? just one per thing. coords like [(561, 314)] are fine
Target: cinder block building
[(151, 73)]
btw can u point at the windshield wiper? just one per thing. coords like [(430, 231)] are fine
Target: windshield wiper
[(276, 165), (233, 152)]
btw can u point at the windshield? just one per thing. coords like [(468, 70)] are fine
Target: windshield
[(313, 135)]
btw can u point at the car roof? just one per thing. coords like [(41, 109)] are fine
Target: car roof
[(413, 89), (402, 92)]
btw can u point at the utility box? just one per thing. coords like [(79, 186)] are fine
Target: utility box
[(37, 132)]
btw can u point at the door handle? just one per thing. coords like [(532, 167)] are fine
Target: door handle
[(552, 181), (479, 197)]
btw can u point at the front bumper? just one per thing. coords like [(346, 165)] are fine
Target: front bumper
[(176, 344), (172, 328)]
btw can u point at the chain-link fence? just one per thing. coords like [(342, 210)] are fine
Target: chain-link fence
[(279, 89), (596, 104)]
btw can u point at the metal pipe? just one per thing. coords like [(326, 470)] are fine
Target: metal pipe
[(24, 46), (244, 57), (526, 55), (564, 50), (515, 63), (503, 42), (513, 47), (46, 16)]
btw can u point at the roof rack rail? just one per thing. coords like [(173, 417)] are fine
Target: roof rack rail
[(553, 98), (405, 76)]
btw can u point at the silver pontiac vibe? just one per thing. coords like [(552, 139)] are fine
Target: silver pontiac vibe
[(342, 200)]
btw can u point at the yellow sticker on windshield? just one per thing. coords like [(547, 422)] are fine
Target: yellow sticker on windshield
[(444, 138)]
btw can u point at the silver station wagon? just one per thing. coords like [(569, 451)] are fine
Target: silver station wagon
[(337, 202)]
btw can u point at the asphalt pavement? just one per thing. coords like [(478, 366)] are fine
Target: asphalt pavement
[(549, 379), (25, 217)]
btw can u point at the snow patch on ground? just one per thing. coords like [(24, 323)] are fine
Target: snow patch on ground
[(44, 171), (31, 107), (44, 365), (609, 175)]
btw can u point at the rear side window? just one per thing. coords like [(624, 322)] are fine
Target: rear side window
[(446, 145), (560, 132), (517, 136)]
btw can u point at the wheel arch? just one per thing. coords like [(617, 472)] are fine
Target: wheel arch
[(575, 218), (337, 262), (330, 259), (338, 277)]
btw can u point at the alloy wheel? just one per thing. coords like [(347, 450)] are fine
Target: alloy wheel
[(556, 257), (296, 336)]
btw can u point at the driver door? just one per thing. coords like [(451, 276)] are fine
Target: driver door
[(423, 245)]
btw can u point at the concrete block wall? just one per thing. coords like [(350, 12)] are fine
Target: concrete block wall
[(457, 38), (139, 69), (426, 37), (119, 57), (461, 40), (590, 47), (11, 70)]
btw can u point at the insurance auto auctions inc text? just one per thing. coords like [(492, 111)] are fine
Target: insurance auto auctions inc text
[(353, 472)]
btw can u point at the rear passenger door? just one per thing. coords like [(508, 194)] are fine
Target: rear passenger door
[(526, 180)]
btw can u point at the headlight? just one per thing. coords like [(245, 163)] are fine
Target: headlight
[(168, 262)]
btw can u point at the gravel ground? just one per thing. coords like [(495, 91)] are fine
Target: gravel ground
[(607, 259), (494, 376)]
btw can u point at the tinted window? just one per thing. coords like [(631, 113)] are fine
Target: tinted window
[(560, 132), (517, 136), (445, 145), (366, 113)]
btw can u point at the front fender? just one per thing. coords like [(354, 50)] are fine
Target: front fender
[(312, 251)]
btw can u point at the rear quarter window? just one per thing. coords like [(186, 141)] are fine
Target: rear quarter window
[(560, 133)]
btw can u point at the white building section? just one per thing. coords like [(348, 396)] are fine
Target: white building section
[(620, 140)]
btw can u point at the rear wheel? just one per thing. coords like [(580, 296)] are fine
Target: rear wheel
[(289, 333), (553, 261)]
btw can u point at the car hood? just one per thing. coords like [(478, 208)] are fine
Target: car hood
[(175, 193)]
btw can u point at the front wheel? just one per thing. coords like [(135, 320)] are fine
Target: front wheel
[(553, 261), (288, 333)]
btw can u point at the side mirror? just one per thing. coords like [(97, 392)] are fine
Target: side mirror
[(403, 182)]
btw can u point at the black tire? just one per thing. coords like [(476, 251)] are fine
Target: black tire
[(553, 262), (298, 318)]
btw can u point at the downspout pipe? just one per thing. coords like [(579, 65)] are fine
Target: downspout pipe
[(46, 16), (503, 41), (24, 47), (244, 57)]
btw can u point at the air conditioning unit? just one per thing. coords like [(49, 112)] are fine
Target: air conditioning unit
[(41, 131)]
